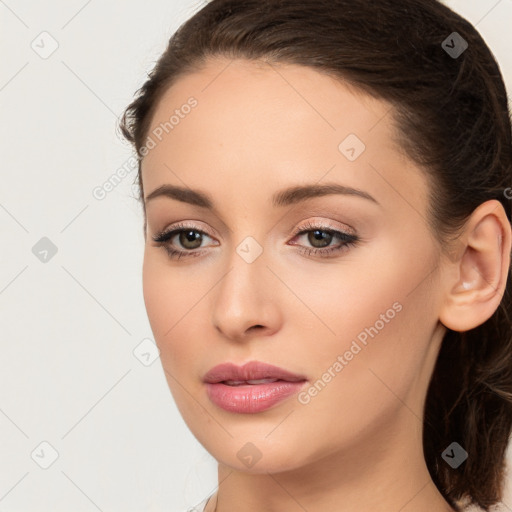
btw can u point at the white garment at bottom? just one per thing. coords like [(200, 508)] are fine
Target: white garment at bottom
[(200, 506)]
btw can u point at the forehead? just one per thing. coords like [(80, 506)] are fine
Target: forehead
[(256, 94), (264, 123)]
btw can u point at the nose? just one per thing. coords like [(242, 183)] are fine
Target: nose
[(246, 300)]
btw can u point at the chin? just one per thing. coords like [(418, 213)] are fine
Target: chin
[(252, 452)]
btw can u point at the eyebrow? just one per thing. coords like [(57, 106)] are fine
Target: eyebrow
[(286, 197)]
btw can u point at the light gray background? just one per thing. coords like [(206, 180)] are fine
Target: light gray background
[(68, 372)]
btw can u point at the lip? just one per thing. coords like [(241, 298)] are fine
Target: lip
[(253, 370), (249, 398)]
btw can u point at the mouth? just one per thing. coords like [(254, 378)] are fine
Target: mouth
[(251, 388)]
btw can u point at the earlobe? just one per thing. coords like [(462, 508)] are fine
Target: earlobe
[(477, 278)]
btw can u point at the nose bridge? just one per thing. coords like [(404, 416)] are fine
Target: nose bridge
[(244, 296)]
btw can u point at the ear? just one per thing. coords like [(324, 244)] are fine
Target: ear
[(477, 272)]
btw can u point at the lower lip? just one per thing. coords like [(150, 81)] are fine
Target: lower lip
[(251, 398)]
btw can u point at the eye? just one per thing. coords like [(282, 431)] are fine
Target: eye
[(320, 237), (189, 237)]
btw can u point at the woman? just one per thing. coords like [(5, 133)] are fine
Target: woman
[(326, 189)]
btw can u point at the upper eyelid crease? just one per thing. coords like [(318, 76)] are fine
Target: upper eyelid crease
[(289, 196)]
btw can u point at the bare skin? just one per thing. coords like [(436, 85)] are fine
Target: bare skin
[(356, 444)]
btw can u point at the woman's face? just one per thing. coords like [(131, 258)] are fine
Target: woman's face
[(350, 305)]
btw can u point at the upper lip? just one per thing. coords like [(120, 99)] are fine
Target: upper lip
[(253, 370)]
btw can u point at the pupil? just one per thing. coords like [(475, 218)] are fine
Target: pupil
[(318, 236), (187, 237)]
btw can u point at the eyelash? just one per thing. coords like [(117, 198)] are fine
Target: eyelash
[(348, 240)]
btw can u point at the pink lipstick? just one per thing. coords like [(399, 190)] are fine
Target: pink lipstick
[(251, 388)]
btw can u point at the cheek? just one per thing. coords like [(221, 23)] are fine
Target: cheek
[(167, 301), (175, 301), (173, 308), (377, 311), (158, 297)]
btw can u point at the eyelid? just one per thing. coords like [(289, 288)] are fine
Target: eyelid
[(324, 224), (181, 226)]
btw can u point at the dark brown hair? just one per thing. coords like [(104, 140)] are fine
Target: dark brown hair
[(452, 117)]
